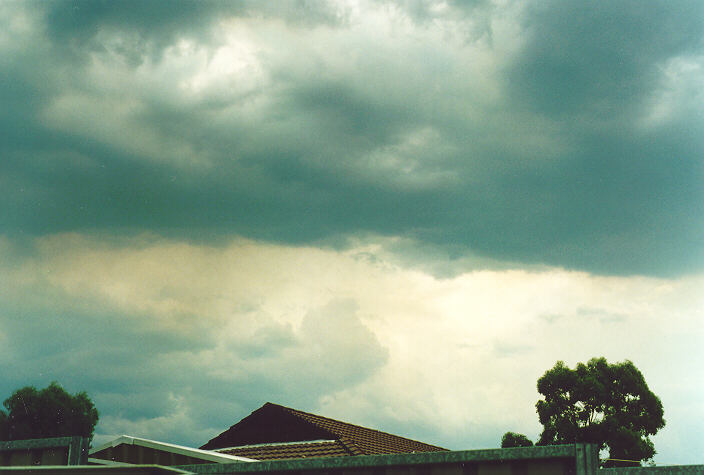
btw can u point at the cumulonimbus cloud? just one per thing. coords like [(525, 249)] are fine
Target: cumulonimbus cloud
[(461, 128)]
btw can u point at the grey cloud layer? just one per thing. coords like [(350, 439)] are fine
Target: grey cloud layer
[(558, 134)]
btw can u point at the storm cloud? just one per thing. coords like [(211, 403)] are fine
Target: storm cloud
[(533, 133), (398, 214)]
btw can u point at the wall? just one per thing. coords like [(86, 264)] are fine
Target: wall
[(577, 459), (53, 451)]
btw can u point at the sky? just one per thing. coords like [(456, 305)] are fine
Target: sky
[(397, 214)]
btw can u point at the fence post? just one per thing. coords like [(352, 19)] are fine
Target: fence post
[(587, 459), (78, 451)]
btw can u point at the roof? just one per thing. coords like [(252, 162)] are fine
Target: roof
[(290, 450), (207, 455), (273, 423)]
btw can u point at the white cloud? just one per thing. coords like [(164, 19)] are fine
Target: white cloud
[(679, 93), (17, 25), (245, 77)]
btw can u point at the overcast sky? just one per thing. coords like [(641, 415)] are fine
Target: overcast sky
[(398, 214)]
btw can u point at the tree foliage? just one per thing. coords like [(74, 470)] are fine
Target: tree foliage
[(49, 412), (606, 404), (513, 439)]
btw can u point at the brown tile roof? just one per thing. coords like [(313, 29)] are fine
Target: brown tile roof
[(276, 426), (289, 450), (360, 440)]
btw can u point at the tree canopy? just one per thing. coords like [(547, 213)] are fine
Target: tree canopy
[(606, 404), (49, 412), (513, 439)]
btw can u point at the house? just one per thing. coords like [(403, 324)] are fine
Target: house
[(278, 432)]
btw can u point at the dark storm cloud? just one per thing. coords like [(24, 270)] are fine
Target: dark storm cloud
[(602, 59), (627, 200), (154, 25), (399, 138), (617, 206)]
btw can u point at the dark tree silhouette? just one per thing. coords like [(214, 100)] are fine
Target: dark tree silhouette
[(606, 404), (50, 412), (513, 439)]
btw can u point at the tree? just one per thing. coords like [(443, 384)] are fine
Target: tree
[(50, 412), (513, 439), (606, 404)]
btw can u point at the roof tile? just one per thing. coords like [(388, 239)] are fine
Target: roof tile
[(289, 450), (361, 440)]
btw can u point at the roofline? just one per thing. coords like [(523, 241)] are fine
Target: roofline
[(92, 469), (177, 449), (95, 461)]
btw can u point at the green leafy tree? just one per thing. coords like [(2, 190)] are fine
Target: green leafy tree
[(50, 412), (606, 404), (513, 439)]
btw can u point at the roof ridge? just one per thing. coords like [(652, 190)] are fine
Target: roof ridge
[(277, 444), (298, 414), (350, 446)]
